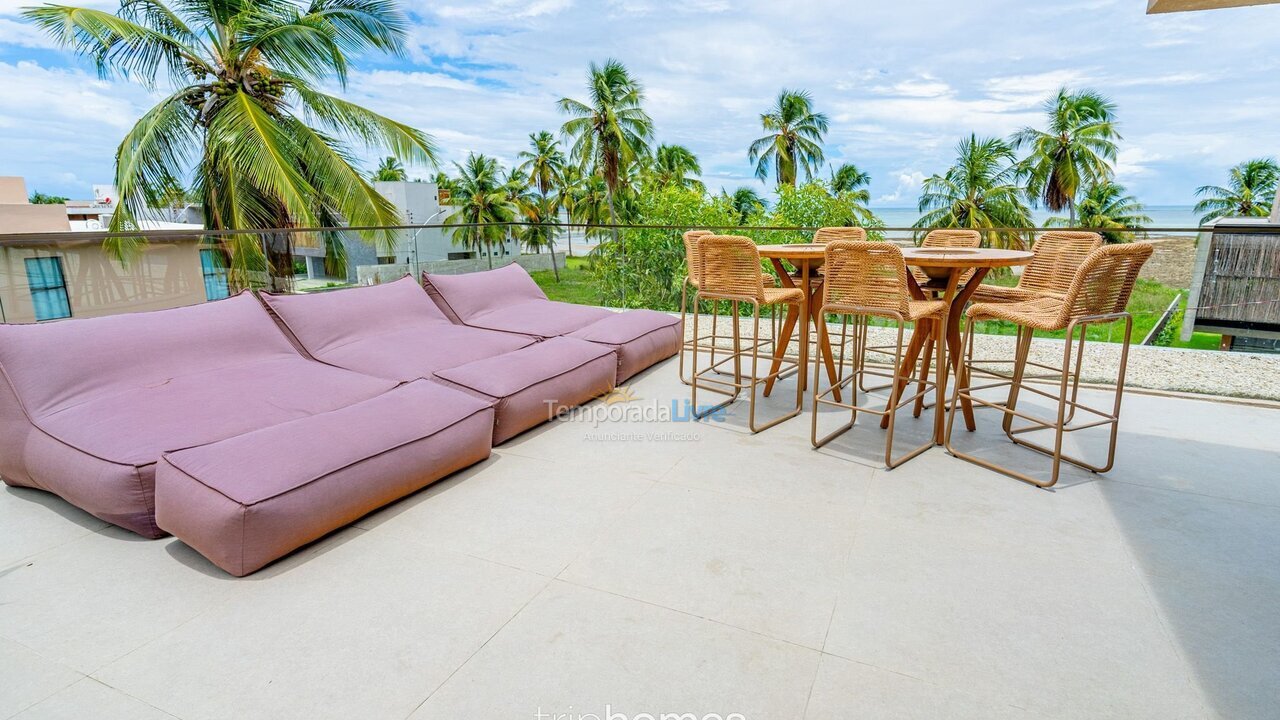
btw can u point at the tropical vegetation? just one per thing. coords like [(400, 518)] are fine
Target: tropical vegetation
[(746, 202), (482, 206), (848, 178), (544, 165), (676, 165), (1107, 207), (610, 131), (1074, 152), (979, 192), (39, 198), (390, 169), (243, 116), (1249, 192), (793, 142)]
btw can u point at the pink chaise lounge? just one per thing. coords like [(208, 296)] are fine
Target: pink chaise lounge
[(396, 332), (508, 300), (89, 407)]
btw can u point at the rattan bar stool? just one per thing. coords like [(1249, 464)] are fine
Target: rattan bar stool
[(935, 238), (869, 279), (709, 343), (1097, 295), (939, 238), (947, 238), (693, 265), (731, 271), (1057, 256), (824, 235)]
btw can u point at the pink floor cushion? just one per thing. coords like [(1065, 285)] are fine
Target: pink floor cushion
[(391, 331), (640, 338), (471, 294), (529, 386), (507, 299), (252, 499), (88, 406)]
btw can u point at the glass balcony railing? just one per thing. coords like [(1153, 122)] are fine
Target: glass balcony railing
[(52, 276)]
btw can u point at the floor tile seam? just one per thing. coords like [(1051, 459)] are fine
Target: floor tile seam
[(696, 616), (483, 645)]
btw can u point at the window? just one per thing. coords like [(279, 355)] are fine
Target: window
[(213, 263), (48, 288)]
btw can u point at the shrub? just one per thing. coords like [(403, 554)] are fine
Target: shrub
[(646, 270)]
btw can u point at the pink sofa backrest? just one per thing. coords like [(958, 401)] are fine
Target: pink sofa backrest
[(324, 321), (56, 365), (466, 296)]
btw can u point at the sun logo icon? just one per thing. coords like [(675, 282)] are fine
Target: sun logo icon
[(622, 394)]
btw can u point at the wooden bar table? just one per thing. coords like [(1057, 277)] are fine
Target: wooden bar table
[(806, 258), (945, 267)]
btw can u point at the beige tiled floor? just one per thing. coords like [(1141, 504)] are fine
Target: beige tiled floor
[(670, 567)]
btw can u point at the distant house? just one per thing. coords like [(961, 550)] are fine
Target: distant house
[(423, 203), (43, 278)]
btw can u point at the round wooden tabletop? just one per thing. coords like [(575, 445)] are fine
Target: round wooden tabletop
[(799, 251), (920, 257), (965, 257)]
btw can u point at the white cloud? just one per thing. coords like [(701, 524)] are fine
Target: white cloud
[(23, 35), (908, 187), (1133, 161), (898, 85)]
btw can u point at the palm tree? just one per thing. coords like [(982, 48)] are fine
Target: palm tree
[(170, 195), (794, 141), (848, 178), (483, 205), (1249, 191), (567, 198), (746, 202), (39, 198), (611, 129), (543, 162), (979, 192), (673, 164), (243, 117), (1105, 207), (1075, 152), (541, 212), (444, 185), (390, 170), (591, 205)]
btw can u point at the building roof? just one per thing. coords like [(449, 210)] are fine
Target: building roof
[(1168, 6)]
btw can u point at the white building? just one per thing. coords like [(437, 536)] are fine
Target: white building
[(419, 204)]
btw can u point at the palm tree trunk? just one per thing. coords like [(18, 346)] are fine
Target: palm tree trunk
[(1275, 208), (279, 262), (613, 220), (554, 268)]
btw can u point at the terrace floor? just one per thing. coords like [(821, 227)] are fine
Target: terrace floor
[(668, 567)]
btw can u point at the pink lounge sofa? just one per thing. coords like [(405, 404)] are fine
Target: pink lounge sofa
[(248, 500), (395, 331), (87, 407), (508, 300)]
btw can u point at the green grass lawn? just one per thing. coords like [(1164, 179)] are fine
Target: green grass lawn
[(1147, 304), (1149, 300), (576, 284)]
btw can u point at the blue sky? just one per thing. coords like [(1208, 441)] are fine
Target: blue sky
[(901, 81)]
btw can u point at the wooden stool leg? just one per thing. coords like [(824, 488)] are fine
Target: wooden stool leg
[(926, 358)]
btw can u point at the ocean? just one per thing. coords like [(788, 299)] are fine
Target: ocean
[(1162, 216)]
